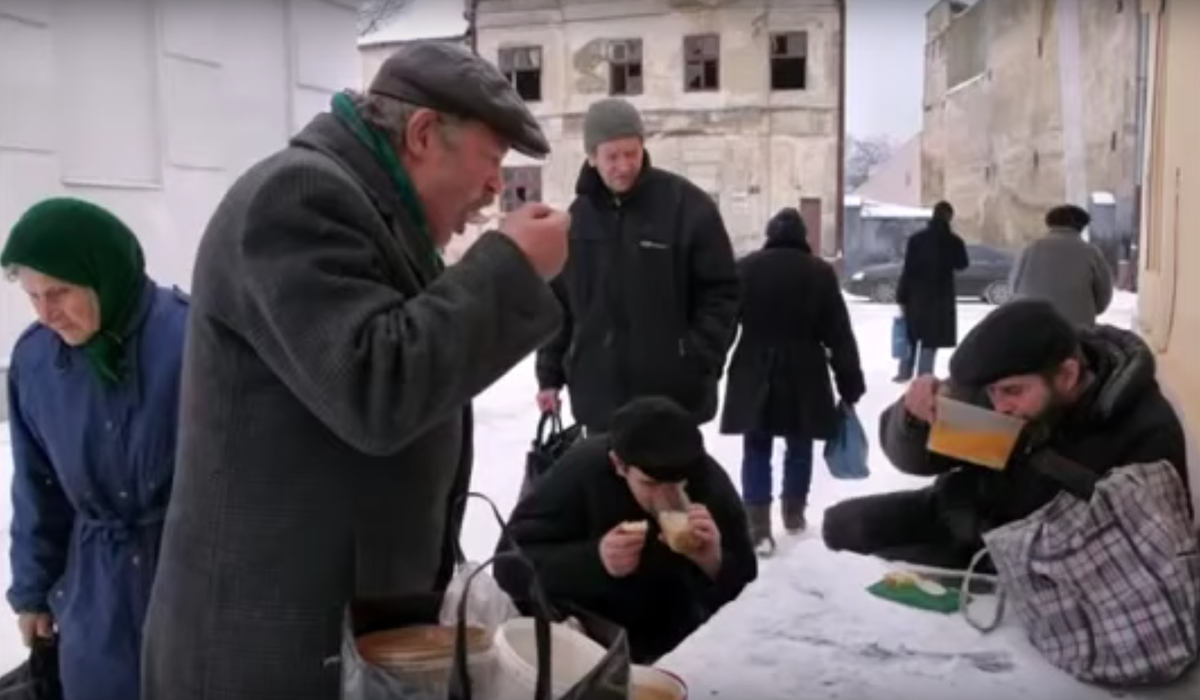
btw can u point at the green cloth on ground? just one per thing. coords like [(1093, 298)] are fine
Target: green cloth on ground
[(344, 109), (914, 597), (86, 245)]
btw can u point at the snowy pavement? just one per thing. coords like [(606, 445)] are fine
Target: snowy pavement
[(806, 628)]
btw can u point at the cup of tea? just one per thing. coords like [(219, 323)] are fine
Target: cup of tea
[(649, 683), (974, 435), (671, 511)]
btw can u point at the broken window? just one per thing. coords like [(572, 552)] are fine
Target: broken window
[(522, 183), (702, 63), (789, 61), (625, 67), (522, 65)]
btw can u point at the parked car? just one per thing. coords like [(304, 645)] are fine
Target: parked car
[(986, 278)]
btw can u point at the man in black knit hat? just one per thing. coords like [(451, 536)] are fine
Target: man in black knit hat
[(1090, 395), (589, 526)]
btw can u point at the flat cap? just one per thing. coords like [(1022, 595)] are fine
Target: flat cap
[(449, 78), (1024, 336)]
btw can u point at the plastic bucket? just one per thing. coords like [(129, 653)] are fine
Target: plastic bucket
[(573, 655), (649, 683), (423, 656)]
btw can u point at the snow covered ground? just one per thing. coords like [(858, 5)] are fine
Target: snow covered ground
[(806, 628)]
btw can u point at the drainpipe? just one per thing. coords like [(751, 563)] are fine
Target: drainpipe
[(471, 14), (840, 209), (1071, 95), (1141, 99)]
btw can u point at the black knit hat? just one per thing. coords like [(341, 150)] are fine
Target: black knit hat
[(1025, 336), (1068, 216), (659, 438)]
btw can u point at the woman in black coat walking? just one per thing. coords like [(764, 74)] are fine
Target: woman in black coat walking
[(927, 294), (795, 326)]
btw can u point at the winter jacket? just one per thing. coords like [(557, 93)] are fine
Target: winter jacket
[(650, 294), (1121, 419), (1066, 271), (927, 292), (560, 523)]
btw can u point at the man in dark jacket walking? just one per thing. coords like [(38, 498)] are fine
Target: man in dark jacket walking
[(795, 328), (927, 294), (325, 429), (590, 529), (1091, 394), (650, 291)]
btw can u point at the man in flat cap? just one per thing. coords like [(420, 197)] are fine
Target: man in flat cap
[(1064, 269), (591, 530), (1090, 394), (650, 289), (325, 430)]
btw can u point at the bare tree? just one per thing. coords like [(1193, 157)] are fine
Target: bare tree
[(373, 13), (864, 155)]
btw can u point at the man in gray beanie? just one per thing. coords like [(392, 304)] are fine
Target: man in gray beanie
[(650, 288)]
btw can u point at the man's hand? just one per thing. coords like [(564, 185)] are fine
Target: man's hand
[(35, 626), (920, 400), (707, 552), (621, 550), (548, 401), (540, 231)]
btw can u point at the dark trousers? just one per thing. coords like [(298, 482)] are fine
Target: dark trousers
[(922, 357), (757, 477), (900, 526)]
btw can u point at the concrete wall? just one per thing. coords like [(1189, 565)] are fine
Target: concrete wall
[(1171, 218), (757, 150), (153, 107), (993, 137)]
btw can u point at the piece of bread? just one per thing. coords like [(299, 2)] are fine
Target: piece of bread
[(635, 526)]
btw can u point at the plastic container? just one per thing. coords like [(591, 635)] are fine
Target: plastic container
[(649, 683), (973, 434), (424, 656), (671, 510), (572, 656)]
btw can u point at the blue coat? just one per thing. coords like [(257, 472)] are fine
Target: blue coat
[(93, 470)]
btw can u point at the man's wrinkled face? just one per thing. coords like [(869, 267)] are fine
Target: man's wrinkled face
[(619, 163), (455, 167), (1035, 396), (71, 311), (646, 491)]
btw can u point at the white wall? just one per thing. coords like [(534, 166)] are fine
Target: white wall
[(153, 107)]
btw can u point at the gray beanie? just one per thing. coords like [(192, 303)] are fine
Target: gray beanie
[(610, 119)]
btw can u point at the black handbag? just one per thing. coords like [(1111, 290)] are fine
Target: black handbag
[(37, 678), (548, 448)]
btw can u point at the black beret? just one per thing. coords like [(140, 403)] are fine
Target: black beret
[(1024, 336), (659, 438), (1068, 216), (447, 77)]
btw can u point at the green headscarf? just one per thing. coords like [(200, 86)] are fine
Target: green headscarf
[(85, 245)]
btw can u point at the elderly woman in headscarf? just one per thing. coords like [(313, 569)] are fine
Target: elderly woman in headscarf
[(795, 329), (93, 392)]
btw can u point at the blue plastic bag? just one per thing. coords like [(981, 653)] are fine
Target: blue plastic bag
[(900, 347), (846, 453)]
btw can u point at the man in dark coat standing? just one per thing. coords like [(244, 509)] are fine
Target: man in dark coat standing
[(1090, 393), (795, 328), (650, 290), (325, 425), (927, 294)]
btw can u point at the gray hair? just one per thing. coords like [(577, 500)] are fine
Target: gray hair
[(391, 116)]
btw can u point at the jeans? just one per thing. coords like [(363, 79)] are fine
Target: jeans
[(757, 449), (925, 359)]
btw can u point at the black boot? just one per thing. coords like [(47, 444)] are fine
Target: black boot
[(793, 516), (758, 520)]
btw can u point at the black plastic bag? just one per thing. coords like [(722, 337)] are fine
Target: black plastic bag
[(548, 448), (37, 678), (361, 680)]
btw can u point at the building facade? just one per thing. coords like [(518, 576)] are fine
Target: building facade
[(741, 96), (1030, 103), (153, 107)]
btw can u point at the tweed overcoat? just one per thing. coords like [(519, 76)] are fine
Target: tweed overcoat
[(325, 428)]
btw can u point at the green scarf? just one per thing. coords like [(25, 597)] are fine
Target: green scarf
[(87, 246), (377, 142)]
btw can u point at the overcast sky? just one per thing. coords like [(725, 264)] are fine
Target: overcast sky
[(885, 66)]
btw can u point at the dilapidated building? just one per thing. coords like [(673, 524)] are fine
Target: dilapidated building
[(741, 96), (1029, 103)]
